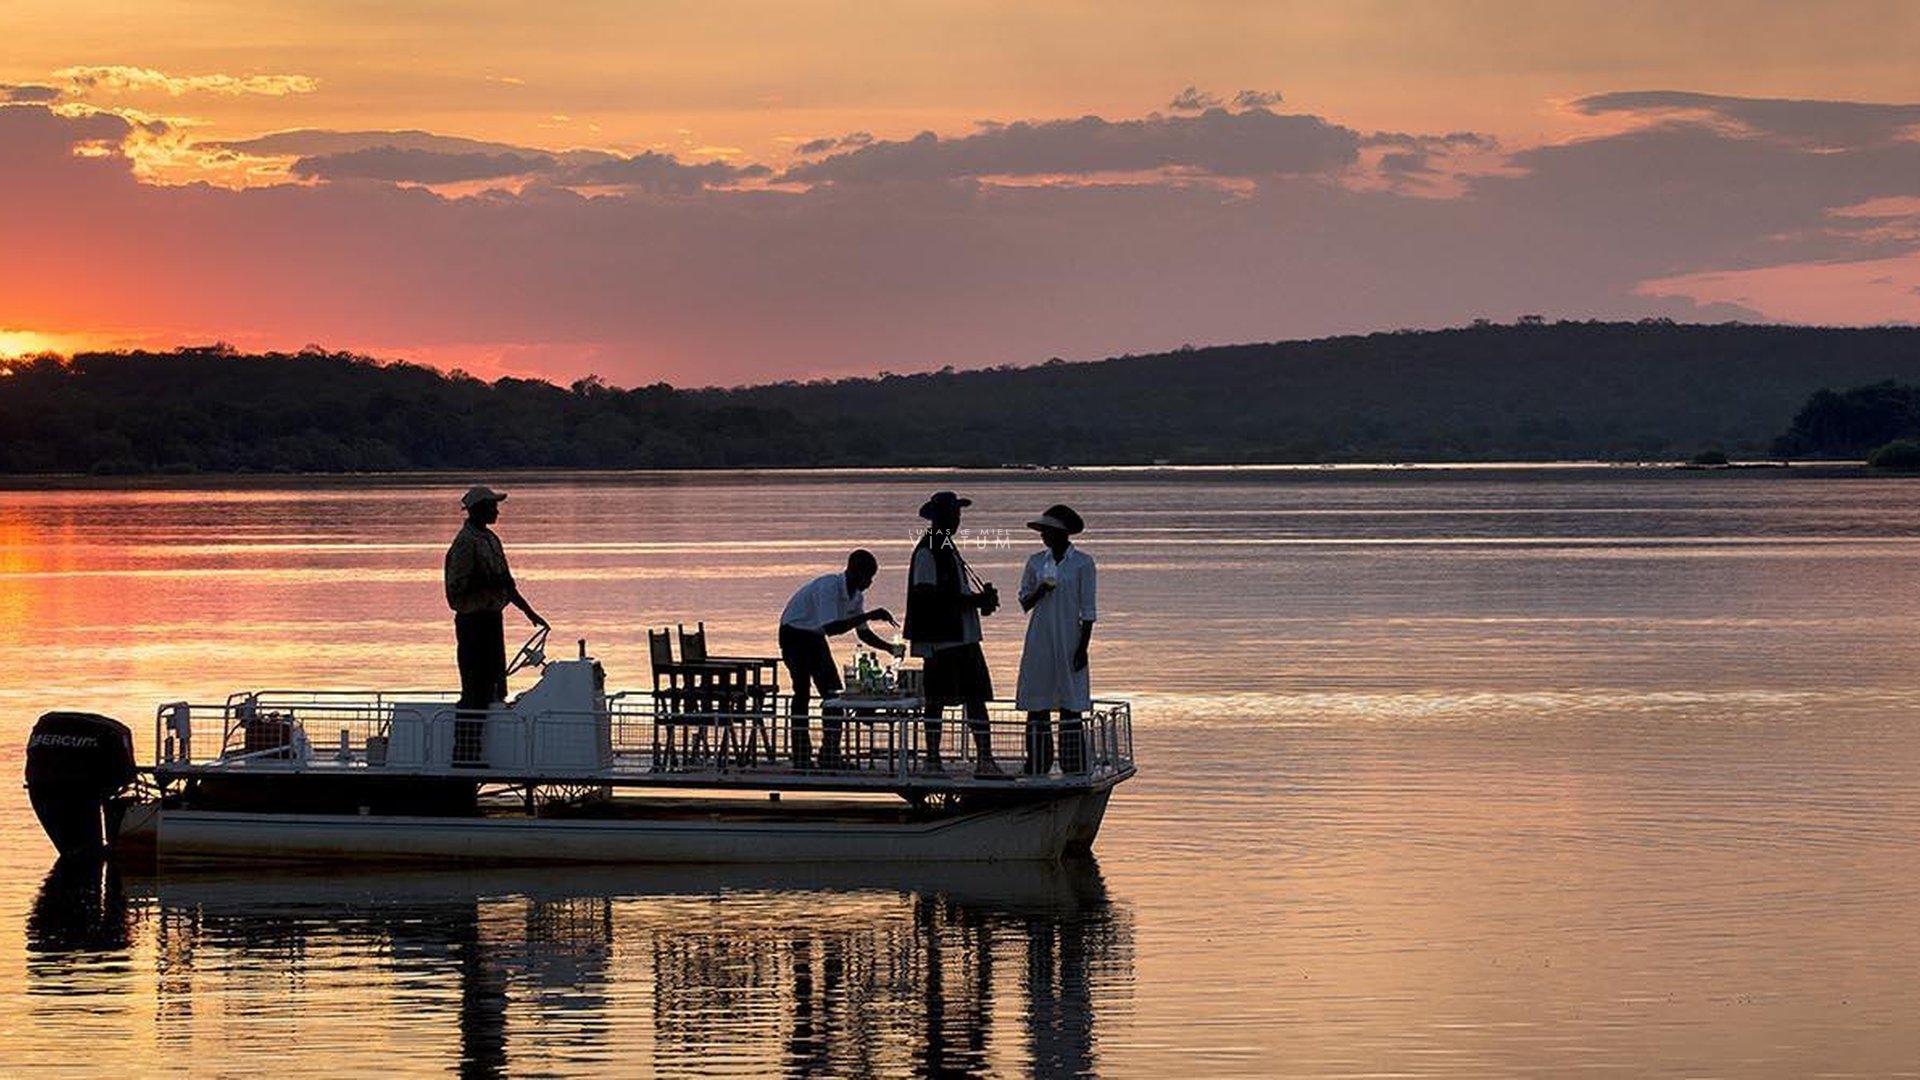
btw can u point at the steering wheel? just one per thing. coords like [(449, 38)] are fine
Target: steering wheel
[(531, 654)]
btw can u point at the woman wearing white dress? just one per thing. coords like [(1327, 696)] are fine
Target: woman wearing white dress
[(1057, 592)]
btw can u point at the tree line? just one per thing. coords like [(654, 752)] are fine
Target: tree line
[(1879, 422), (211, 410), (1534, 391)]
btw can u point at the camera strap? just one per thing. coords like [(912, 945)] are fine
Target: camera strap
[(966, 568)]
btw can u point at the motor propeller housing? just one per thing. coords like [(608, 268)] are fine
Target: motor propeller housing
[(76, 763)]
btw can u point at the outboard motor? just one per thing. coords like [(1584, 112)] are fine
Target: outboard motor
[(76, 762)]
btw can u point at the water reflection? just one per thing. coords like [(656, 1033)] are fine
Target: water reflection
[(926, 971), (81, 975), (81, 910)]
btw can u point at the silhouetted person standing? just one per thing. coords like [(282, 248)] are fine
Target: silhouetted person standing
[(479, 588), (944, 606), (828, 605), (1057, 592)]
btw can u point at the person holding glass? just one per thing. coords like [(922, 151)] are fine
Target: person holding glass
[(1057, 593), (945, 603)]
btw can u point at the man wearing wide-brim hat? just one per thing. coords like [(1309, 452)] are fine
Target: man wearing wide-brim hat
[(1057, 592), (944, 604), (479, 588)]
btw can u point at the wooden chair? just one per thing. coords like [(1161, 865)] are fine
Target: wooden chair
[(670, 700), (745, 685), (693, 647)]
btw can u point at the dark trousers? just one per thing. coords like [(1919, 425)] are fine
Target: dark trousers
[(480, 647), (1073, 742), (958, 675), (809, 660)]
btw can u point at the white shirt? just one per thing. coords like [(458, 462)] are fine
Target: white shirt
[(821, 601)]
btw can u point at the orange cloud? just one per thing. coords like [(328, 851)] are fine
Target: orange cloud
[(1866, 292), (120, 79)]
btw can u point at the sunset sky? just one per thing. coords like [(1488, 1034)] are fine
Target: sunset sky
[(729, 192)]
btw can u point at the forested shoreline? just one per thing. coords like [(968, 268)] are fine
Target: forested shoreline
[(1528, 392)]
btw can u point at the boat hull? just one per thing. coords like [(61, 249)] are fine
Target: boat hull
[(1036, 829)]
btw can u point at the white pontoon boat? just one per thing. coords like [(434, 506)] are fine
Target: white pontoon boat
[(565, 772)]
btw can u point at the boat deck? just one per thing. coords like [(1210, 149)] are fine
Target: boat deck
[(844, 810), (632, 741)]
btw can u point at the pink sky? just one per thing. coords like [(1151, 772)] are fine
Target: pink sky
[(734, 192)]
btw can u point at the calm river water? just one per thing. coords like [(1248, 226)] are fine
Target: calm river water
[(1443, 774)]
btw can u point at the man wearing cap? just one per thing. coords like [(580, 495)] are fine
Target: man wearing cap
[(828, 605), (1057, 592), (479, 587), (944, 605)]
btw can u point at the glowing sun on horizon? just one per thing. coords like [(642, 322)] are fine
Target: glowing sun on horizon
[(16, 343)]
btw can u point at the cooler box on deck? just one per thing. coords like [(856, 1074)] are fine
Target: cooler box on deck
[(420, 735)]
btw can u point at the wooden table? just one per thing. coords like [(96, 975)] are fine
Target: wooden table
[(848, 714)]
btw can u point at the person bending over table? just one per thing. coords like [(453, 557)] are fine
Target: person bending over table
[(829, 605)]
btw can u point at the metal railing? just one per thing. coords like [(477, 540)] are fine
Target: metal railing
[(879, 741)]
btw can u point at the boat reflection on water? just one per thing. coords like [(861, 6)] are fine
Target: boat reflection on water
[(896, 970), (81, 908), (79, 933)]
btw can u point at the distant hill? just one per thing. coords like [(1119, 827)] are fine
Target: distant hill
[(1530, 392), (1610, 391)]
